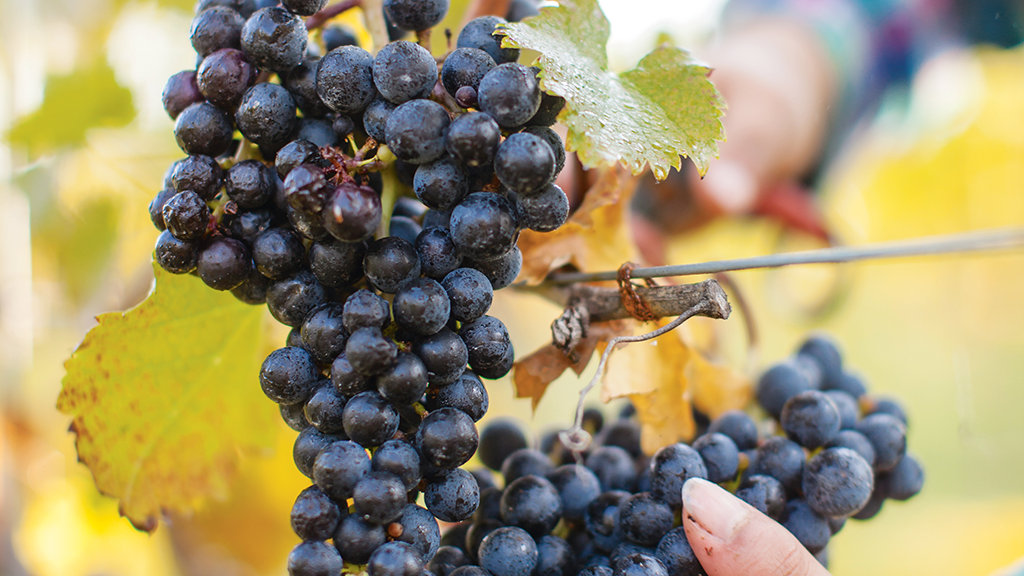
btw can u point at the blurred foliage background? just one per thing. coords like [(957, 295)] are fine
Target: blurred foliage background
[(83, 147)]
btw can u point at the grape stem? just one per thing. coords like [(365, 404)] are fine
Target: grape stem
[(327, 14), (373, 13), (713, 303)]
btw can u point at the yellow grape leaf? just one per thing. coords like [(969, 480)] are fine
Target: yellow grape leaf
[(532, 375), (653, 375), (716, 388), (596, 237), (165, 396)]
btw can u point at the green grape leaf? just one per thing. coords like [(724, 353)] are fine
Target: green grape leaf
[(87, 98), (165, 397), (663, 109)]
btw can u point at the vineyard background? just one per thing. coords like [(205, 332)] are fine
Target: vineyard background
[(83, 147)]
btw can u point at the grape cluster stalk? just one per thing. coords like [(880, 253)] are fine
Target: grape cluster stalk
[(374, 202)]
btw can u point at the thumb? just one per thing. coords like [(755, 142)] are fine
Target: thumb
[(731, 538)]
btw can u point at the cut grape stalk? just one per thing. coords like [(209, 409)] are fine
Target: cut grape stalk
[(1001, 239)]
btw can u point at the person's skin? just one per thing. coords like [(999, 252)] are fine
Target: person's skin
[(731, 538)]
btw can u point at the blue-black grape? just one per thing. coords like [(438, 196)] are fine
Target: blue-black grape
[(437, 253), (613, 468), (250, 184), (447, 438), (379, 497), (224, 263), (403, 71), (186, 216), (353, 213), (809, 527), (369, 419), (216, 28), (639, 564), (500, 438), (415, 15), (415, 131), (811, 419), (314, 515), (854, 441), (200, 174), (780, 383), (357, 539), (278, 253), (318, 131), (395, 559), (503, 270), (888, 436), (375, 118), (837, 482), (389, 262), (339, 467), (473, 139), (365, 309), (525, 163), (453, 496), (554, 141), (405, 381), (288, 375), (644, 518), (337, 264), (344, 80), (274, 39), (266, 115), (304, 7), (484, 226), (671, 467), (399, 458), (826, 354), (467, 394), (479, 33), (545, 211), (578, 487), (465, 67), (173, 255), (675, 552), (602, 519), (850, 383), (764, 493), (324, 409), (510, 93), (419, 528), (849, 411), (202, 128), (487, 342), (904, 481), (555, 557), (337, 35), (441, 184), (737, 425), (314, 559), (156, 207), (508, 551), (369, 351), (720, 455), (421, 306), (781, 459), (323, 333), (547, 114), (301, 82), (469, 292), (291, 299), (308, 445), (889, 406), (444, 354)]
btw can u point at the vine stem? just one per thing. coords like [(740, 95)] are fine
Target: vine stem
[(999, 239), (713, 303), (373, 12), (324, 16)]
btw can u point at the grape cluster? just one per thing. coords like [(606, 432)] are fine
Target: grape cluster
[(831, 452), (279, 202)]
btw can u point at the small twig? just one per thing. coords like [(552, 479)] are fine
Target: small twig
[(373, 12), (327, 14), (423, 38), (713, 304), (1001, 239), (753, 339)]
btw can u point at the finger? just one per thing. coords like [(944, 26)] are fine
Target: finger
[(731, 538)]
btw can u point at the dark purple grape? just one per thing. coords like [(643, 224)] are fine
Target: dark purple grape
[(379, 497), (224, 76), (415, 15), (314, 515), (453, 496), (447, 438), (421, 306), (305, 185), (415, 131), (445, 356), (346, 379), (484, 226), (545, 211), (503, 270), (465, 67), (469, 292), (202, 128), (389, 262), (274, 39), (547, 114), (510, 93), (554, 141), (405, 381), (250, 184), (323, 334), (224, 263), (314, 558), (403, 71), (291, 299), (370, 352), (369, 419), (764, 493), (301, 83), (344, 80), (216, 28), (175, 256), (365, 309), (525, 163), (357, 539), (479, 33), (180, 92), (253, 290), (375, 118), (266, 115), (337, 35), (186, 216), (288, 375), (400, 458), (304, 7), (352, 213)]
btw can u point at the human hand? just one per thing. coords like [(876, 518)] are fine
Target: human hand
[(731, 538)]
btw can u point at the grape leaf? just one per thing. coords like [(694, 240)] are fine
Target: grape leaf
[(661, 110), (165, 396), (87, 98)]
